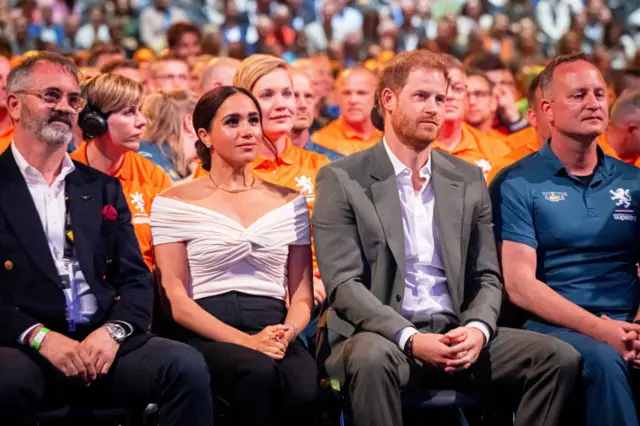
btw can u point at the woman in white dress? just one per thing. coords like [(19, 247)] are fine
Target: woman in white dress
[(231, 250)]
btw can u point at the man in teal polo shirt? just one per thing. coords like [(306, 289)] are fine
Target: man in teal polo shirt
[(567, 220)]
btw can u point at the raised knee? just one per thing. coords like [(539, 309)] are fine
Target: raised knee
[(187, 366), (371, 354), (566, 357)]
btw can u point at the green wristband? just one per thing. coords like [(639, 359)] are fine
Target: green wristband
[(37, 341)]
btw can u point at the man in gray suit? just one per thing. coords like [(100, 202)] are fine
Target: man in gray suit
[(405, 245)]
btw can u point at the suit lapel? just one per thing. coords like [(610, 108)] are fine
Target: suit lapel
[(85, 204), (448, 189), (22, 216), (385, 197)]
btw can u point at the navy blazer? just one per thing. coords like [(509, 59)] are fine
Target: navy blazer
[(107, 251)]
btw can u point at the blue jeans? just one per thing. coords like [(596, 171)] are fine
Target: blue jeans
[(605, 376)]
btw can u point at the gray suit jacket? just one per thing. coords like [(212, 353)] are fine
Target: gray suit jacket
[(359, 243)]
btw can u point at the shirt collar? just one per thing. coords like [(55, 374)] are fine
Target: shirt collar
[(604, 166), (400, 168), (286, 157), (29, 172)]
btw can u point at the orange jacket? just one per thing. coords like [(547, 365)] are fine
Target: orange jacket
[(141, 181), (339, 137)]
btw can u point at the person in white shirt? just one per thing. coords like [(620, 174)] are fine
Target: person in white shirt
[(76, 296), (234, 256), (405, 246)]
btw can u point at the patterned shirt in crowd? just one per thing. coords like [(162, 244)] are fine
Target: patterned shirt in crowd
[(339, 137), (141, 181)]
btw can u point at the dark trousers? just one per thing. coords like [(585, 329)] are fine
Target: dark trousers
[(536, 372), (607, 380), (258, 389), (162, 371)]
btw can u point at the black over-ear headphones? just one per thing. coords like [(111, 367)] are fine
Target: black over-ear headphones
[(92, 122), (376, 116)]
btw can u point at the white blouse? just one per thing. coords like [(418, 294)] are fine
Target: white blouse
[(225, 256)]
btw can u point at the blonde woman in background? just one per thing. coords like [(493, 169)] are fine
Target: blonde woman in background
[(169, 138)]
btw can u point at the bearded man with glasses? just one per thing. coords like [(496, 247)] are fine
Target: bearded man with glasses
[(75, 293)]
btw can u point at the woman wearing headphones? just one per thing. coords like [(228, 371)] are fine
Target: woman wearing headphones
[(112, 126)]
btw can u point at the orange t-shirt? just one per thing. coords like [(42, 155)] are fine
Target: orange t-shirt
[(6, 137), (339, 137), (477, 148), (141, 181)]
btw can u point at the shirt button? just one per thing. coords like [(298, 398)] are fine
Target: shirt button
[(398, 298)]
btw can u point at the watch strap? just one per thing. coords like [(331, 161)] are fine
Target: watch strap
[(408, 346)]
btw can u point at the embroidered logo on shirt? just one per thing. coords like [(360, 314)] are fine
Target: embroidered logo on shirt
[(137, 201), (305, 184), (555, 196), (621, 197)]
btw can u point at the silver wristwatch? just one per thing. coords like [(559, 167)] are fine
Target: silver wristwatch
[(117, 332)]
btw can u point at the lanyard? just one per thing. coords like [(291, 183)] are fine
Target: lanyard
[(67, 275)]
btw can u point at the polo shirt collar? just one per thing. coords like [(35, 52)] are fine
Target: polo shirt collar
[(286, 157), (604, 167)]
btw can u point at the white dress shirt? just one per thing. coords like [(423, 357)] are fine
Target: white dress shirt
[(426, 290), (50, 204)]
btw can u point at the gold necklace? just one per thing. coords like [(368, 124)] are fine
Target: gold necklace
[(233, 191)]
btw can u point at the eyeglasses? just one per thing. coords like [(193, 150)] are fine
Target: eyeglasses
[(52, 97)]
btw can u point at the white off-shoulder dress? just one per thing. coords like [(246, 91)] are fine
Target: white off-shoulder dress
[(225, 256)]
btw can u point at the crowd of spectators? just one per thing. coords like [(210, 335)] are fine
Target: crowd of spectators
[(521, 32)]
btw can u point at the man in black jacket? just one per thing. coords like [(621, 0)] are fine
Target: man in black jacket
[(75, 294)]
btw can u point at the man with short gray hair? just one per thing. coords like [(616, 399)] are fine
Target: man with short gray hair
[(76, 296)]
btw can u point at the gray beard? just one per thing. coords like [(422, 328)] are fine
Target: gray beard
[(53, 136), (45, 132)]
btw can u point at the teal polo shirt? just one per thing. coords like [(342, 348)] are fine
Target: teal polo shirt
[(585, 236)]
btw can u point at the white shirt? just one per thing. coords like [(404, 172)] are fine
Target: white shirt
[(426, 290), (87, 35), (50, 204)]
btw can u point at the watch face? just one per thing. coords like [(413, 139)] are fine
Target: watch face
[(117, 332)]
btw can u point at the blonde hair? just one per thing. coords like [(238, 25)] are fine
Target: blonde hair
[(165, 112), (110, 93), (254, 68)]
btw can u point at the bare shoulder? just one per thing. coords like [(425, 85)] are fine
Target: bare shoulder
[(187, 191), (278, 192)]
